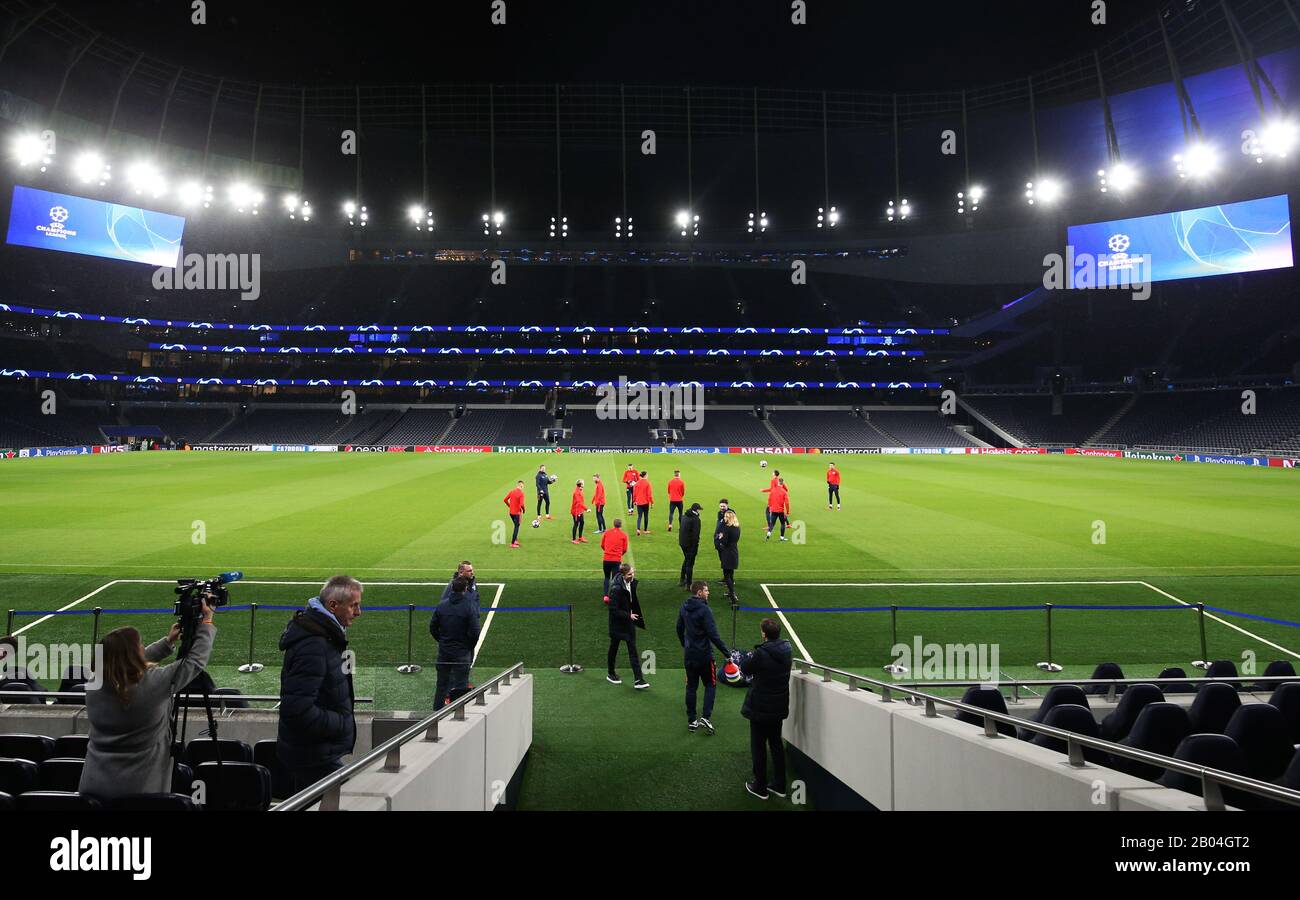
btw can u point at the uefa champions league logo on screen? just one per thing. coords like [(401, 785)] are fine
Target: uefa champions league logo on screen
[(1118, 243), (56, 228)]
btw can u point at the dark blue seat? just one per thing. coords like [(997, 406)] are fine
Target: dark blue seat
[(17, 776), (1116, 726), (32, 697), (74, 681), (1073, 718), (1213, 707), (1175, 672), (237, 786), (71, 746), (1214, 751), (55, 801), (1105, 670), (153, 803), (1160, 728), (1260, 732), (221, 698), (182, 779), (34, 747), (202, 750), (1287, 699), (1224, 668), (60, 775), (1059, 695), (264, 754), (1278, 668), (6, 802)]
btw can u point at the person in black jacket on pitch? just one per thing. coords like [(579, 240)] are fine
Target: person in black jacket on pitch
[(727, 542), (688, 538), (767, 704), (316, 724), (455, 626), (699, 634), (623, 621)]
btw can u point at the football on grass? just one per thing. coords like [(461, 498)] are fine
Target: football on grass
[(537, 523)]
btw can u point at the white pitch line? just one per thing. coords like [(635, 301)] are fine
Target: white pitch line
[(1224, 622), (69, 606), (944, 583), (789, 629), (487, 623)]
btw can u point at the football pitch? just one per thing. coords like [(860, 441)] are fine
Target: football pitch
[(968, 548)]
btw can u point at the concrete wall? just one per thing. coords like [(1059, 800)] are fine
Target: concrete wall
[(897, 758)]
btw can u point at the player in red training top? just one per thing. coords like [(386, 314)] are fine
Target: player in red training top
[(676, 494), (515, 502)]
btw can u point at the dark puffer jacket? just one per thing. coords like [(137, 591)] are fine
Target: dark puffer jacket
[(316, 723), (689, 536), (768, 699)]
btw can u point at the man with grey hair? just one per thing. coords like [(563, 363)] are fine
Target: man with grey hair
[(317, 728)]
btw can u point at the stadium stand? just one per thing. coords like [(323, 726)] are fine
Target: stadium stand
[(484, 426), (1029, 418), (918, 429), (587, 430), (415, 426), (828, 428), (726, 428), (1209, 420)]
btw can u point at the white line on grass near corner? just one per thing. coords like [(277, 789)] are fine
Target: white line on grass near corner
[(487, 623), (69, 606), (789, 629), (1223, 621)]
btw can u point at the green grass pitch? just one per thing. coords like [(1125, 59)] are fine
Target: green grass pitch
[(941, 531)]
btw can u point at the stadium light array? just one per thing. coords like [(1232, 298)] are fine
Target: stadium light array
[(494, 223), (560, 226), (1275, 139), (32, 151), (420, 216), (1046, 190), (1197, 161), (297, 208), (623, 227), (757, 223), (244, 198), (900, 211), (90, 168), (688, 223), (827, 218), (356, 213), (193, 194), (969, 199), (143, 177), (1120, 177)]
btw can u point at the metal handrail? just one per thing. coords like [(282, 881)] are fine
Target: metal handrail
[(1212, 780), (215, 698), (328, 789), (1016, 684)]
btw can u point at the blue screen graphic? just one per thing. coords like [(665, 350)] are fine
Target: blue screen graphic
[(1192, 243), (71, 224)]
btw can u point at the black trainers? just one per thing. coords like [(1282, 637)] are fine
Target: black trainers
[(761, 795), (693, 726), (705, 724), (641, 684), (779, 793), (613, 679)]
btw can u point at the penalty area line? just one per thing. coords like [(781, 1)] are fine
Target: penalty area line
[(789, 629), (487, 623), (1222, 621)]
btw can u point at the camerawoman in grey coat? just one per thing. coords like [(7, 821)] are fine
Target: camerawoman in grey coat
[(130, 711)]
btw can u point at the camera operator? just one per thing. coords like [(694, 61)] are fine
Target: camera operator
[(316, 724), (130, 710)]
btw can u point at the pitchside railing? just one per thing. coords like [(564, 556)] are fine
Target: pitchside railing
[(1212, 780), (329, 789)]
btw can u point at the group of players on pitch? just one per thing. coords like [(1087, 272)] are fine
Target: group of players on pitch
[(640, 499)]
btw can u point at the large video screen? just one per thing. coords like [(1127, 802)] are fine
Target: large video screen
[(71, 224), (1191, 243)]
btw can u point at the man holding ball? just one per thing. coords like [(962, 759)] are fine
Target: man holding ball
[(543, 491)]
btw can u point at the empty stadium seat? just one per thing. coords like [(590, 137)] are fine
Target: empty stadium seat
[(60, 775), (73, 681), (20, 686), (1175, 672), (1278, 668), (1213, 707), (1105, 670), (1116, 726), (34, 747), (985, 698), (55, 801), (1058, 695), (264, 754), (182, 779), (237, 786), (224, 703), (1160, 728), (1214, 751), (6, 802), (1074, 718), (153, 803), (1224, 668), (1287, 699), (1260, 732), (202, 750), (17, 776), (71, 746)]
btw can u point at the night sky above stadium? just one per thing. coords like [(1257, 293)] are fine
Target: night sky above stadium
[(876, 45)]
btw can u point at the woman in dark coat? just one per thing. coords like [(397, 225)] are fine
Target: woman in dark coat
[(727, 543)]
